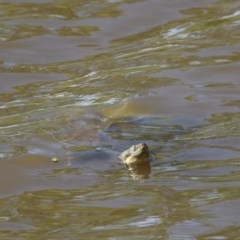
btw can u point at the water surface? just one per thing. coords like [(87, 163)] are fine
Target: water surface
[(83, 80)]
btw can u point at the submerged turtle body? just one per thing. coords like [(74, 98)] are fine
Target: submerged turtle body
[(136, 154)]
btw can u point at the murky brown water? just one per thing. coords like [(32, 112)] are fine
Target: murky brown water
[(83, 80)]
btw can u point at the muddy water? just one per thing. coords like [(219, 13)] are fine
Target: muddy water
[(83, 80)]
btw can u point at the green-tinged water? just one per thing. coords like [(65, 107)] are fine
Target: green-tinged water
[(81, 81)]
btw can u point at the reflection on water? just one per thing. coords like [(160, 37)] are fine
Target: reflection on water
[(81, 81), (140, 171)]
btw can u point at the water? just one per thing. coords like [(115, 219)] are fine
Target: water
[(81, 81)]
